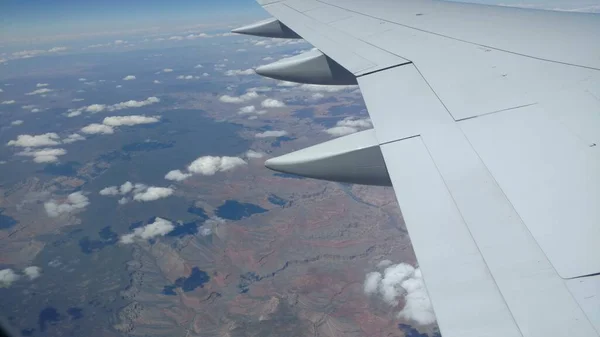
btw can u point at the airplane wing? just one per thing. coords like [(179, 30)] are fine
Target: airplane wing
[(486, 123)]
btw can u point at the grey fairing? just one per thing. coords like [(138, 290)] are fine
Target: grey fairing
[(268, 28)]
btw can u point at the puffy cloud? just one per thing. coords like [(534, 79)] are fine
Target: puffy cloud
[(176, 38), (156, 82), (95, 108), (7, 277), (177, 175), (384, 263), (341, 130), (209, 165), (123, 201), (35, 110), (41, 85), (205, 74), (129, 120), (95, 128), (39, 91), (32, 272), (12, 101), (153, 193), (129, 186), (355, 123), (72, 138), (57, 49), (271, 133), (47, 155), (75, 201), (372, 280), (268, 58), (129, 78), (348, 126), (167, 70), (187, 77), (317, 96), (198, 66), (134, 104), (239, 99), (160, 227), (402, 281), (239, 72), (287, 84), (16, 122), (210, 225), (272, 103), (46, 139), (254, 154), (111, 190), (250, 109), (118, 42)]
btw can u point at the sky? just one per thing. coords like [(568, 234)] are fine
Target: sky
[(34, 21)]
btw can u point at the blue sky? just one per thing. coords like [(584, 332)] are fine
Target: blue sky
[(47, 20), (40, 19)]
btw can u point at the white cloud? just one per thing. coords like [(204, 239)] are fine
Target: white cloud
[(239, 72), (39, 91), (12, 101), (72, 138), (271, 133), (1, 90), (82, 79), (129, 120), (176, 38), (156, 82), (95, 108), (129, 78), (47, 139), (341, 130), (187, 77), (254, 154), (247, 109), (198, 66), (384, 263), (167, 70), (41, 85), (95, 128), (209, 165), (402, 281), (118, 86), (35, 110), (287, 84), (7, 277), (118, 42), (268, 58), (123, 201), (57, 49), (205, 74), (355, 123), (160, 227), (47, 155), (153, 193), (77, 100), (32, 272), (16, 122), (177, 175), (128, 187), (272, 103), (348, 126), (111, 190), (75, 201), (317, 96), (239, 99)]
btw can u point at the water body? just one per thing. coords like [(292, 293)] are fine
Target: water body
[(235, 210), (197, 279), (147, 146), (304, 113), (277, 142), (48, 316), (107, 238), (197, 211), (409, 331), (189, 228), (6, 221), (75, 313), (275, 200), (345, 110), (62, 169)]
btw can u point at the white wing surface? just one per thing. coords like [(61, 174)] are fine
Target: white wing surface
[(487, 119)]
